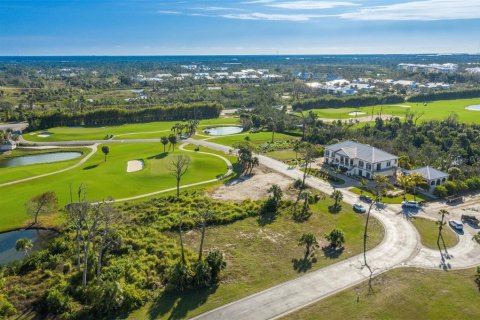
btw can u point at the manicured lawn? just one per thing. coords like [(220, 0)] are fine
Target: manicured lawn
[(394, 200), (21, 172), (105, 179), (403, 294), (436, 110), (259, 257), (428, 230), (256, 138), (282, 155), (141, 130)]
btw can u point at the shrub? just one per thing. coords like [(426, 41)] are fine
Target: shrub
[(6, 308), (56, 302), (451, 187), (440, 191), (216, 263), (202, 274), (179, 276)]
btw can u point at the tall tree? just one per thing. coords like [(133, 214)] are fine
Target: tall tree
[(178, 168), (337, 196), (106, 151), (45, 203), (173, 141), (309, 241), (203, 215), (416, 180), (440, 224), (164, 141), (405, 181)]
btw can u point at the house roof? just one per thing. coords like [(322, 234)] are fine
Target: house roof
[(361, 151), (429, 173)]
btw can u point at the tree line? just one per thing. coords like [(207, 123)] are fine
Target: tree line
[(326, 102), (116, 116), (445, 95)]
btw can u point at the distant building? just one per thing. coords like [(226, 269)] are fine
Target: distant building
[(429, 68)]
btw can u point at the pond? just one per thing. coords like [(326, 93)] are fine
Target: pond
[(39, 158), (473, 108), (8, 253), (223, 131)]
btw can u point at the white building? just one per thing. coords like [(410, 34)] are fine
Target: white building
[(433, 176), (360, 159), (8, 145)]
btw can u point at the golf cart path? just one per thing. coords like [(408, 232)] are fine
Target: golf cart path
[(82, 161)]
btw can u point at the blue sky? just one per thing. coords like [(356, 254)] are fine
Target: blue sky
[(190, 27)]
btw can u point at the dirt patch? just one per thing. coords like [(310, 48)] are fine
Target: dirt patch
[(251, 187)]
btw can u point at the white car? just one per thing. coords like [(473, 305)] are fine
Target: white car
[(357, 207), (411, 204), (455, 224)]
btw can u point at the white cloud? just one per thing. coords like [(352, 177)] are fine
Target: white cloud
[(310, 5), (168, 12), (426, 10), (270, 16)]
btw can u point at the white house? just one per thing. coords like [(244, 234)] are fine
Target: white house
[(433, 176), (8, 145), (360, 159)]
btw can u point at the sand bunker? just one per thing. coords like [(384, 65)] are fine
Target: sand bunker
[(356, 113), (135, 165), (44, 134), (473, 108)]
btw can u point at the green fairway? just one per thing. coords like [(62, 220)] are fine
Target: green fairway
[(259, 257), (403, 294), (148, 130), (428, 231), (256, 138), (22, 172), (436, 110), (105, 179)]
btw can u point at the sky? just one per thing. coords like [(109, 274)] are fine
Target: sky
[(217, 27)]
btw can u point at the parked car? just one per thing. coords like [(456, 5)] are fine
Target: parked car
[(411, 204), (357, 207), (454, 199), (472, 220), (457, 225), (367, 199)]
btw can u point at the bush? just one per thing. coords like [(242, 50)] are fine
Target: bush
[(179, 276), (202, 274), (56, 302), (216, 263), (440, 191), (451, 187), (6, 308)]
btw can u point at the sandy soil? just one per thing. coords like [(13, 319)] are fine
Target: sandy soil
[(252, 187), (134, 165)]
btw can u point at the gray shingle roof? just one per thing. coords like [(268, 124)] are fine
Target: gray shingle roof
[(361, 151), (429, 173)]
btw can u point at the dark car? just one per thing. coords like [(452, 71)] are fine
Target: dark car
[(366, 199)]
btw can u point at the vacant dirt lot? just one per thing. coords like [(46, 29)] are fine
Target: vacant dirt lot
[(251, 187)]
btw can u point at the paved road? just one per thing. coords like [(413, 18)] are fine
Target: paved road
[(401, 246)]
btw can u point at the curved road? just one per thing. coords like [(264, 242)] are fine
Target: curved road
[(401, 247)]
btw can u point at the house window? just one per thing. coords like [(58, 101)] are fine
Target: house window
[(369, 166), (351, 162), (327, 153), (368, 175), (360, 164), (379, 166), (432, 183), (388, 164)]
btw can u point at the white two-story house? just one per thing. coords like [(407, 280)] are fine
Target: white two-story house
[(360, 159)]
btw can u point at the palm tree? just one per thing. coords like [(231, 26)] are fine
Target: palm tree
[(106, 151), (173, 140), (381, 185), (309, 241), (164, 141), (337, 195), (405, 181), (276, 192), (416, 179), (363, 184), (25, 245), (336, 238), (441, 222)]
